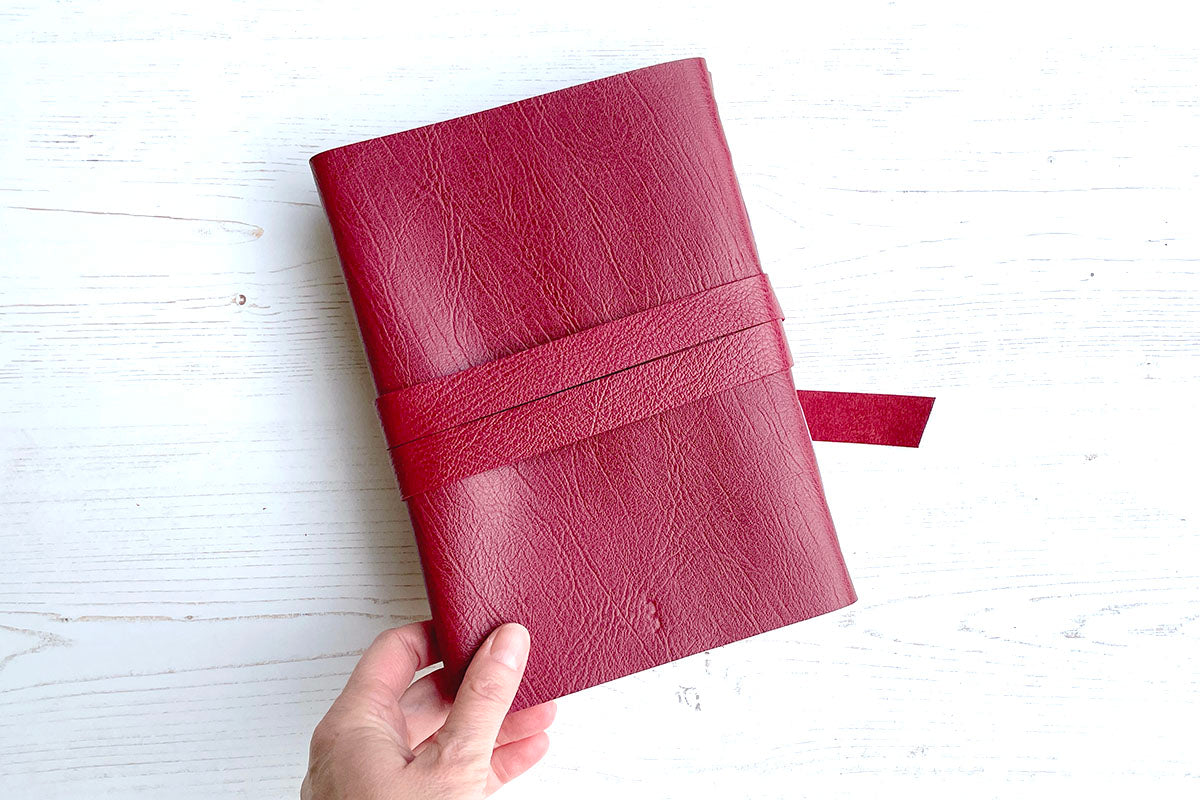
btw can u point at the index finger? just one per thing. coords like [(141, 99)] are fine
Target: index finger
[(395, 656)]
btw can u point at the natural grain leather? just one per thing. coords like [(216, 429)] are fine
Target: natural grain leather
[(586, 355), (466, 241), (591, 408)]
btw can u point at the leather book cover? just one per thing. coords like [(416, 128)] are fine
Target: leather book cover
[(583, 380)]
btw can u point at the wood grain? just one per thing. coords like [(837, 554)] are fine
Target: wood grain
[(200, 529)]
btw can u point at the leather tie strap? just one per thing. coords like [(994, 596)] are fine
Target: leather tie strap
[(495, 386), (591, 408), (600, 378), (889, 419)]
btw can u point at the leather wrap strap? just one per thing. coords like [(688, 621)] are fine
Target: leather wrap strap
[(890, 419), (495, 386), (592, 381), (591, 408)]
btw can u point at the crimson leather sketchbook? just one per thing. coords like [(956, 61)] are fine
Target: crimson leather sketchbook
[(583, 380)]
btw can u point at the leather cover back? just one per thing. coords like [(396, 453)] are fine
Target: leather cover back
[(469, 240)]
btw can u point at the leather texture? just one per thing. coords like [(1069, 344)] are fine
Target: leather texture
[(665, 509), (889, 419), (583, 411), (586, 355)]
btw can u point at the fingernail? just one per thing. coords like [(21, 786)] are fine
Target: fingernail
[(510, 645)]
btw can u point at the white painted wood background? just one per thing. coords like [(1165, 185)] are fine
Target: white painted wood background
[(200, 528)]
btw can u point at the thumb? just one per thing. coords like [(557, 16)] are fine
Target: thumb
[(483, 699)]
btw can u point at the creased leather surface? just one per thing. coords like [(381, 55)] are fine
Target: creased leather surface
[(566, 417), (475, 238), (585, 355)]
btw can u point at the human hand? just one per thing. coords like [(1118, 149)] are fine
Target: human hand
[(388, 738)]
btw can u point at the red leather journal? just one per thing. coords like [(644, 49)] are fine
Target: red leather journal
[(583, 381)]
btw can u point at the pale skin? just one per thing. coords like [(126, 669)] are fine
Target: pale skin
[(387, 737)]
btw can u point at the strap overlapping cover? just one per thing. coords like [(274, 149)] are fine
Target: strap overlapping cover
[(568, 389), (549, 396)]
